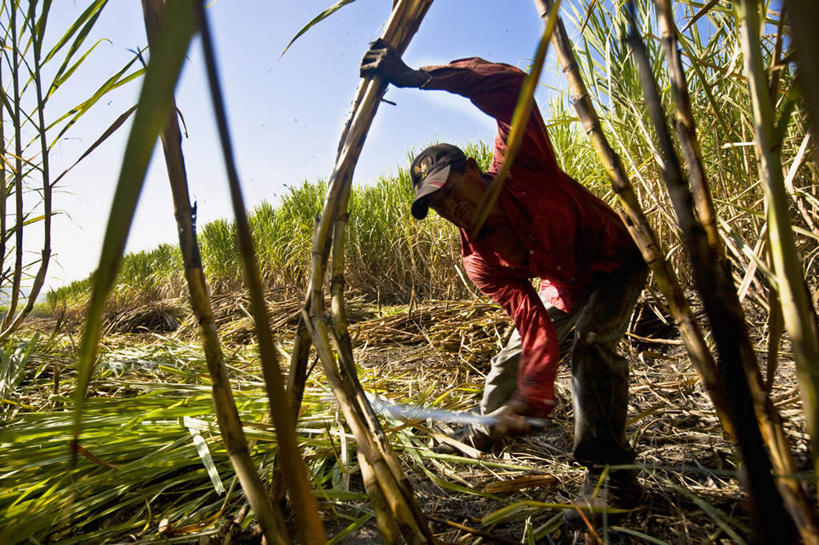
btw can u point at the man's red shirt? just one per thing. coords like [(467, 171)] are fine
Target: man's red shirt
[(570, 235)]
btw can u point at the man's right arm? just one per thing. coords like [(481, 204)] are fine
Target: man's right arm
[(492, 87)]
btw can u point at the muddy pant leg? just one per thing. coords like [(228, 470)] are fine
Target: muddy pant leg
[(502, 379), (600, 373)]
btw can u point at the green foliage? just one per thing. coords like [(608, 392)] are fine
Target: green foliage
[(32, 77), (138, 462), (14, 356)]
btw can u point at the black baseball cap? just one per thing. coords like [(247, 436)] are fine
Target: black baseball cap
[(430, 171)]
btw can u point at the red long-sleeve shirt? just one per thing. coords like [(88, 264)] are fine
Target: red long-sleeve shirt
[(570, 235)]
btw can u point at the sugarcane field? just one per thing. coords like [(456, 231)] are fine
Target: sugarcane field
[(481, 272)]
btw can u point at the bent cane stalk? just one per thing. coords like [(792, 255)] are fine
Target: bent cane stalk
[(637, 223), (387, 486), (310, 526), (738, 367), (267, 514)]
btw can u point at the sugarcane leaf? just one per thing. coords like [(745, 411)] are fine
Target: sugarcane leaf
[(58, 81), (702, 12), (79, 30), (317, 19), (716, 515), (155, 101), (75, 113), (352, 527), (641, 535), (118, 122)]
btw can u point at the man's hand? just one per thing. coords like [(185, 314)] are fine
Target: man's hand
[(515, 419), (382, 60)]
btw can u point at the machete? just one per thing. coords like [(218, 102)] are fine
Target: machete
[(417, 412)]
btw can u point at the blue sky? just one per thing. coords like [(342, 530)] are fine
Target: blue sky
[(286, 113)]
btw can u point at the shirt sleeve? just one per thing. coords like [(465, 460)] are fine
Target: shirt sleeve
[(540, 353), (494, 89)]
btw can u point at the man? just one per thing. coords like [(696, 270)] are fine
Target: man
[(544, 225)]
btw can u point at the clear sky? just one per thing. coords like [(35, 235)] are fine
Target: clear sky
[(286, 113)]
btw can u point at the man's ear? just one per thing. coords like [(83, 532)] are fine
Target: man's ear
[(472, 163)]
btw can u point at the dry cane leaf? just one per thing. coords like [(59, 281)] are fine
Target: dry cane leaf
[(519, 483)]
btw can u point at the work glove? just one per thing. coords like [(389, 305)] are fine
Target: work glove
[(382, 60)]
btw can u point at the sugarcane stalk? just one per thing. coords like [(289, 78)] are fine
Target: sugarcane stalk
[(686, 127), (386, 472), (797, 310), (738, 367), (294, 388), (267, 514), (386, 524), (17, 273), (309, 526), (637, 223), (412, 530), (803, 18), (297, 371), (5, 189)]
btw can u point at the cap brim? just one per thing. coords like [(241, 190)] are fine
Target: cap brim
[(435, 181)]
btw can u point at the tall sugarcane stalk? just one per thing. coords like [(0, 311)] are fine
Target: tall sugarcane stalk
[(266, 512), (686, 127), (797, 310), (738, 367), (637, 223), (309, 526), (397, 512)]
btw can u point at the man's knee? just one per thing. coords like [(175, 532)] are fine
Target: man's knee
[(593, 354)]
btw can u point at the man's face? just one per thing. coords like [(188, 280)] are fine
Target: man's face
[(459, 198)]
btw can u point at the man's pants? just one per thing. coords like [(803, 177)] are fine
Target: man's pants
[(599, 372)]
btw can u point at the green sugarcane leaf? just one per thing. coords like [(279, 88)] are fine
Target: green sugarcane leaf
[(155, 102), (81, 27), (40, 26), (75, 113), (58, 81), (317, 19), (641, 535)]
